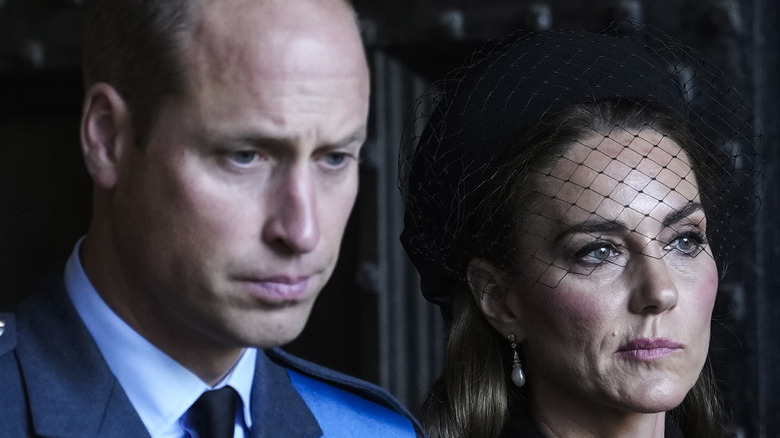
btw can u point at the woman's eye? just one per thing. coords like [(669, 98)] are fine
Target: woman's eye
[(601, 253), (685, 244), (689, 244), (596, 252)]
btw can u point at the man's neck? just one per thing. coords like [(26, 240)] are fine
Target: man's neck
[(210, 360)]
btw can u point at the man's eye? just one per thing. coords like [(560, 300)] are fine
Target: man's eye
[(335, 159), (243, 157)]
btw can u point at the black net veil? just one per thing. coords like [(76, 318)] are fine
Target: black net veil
[(543, 136)]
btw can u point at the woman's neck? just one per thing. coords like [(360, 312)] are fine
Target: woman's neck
[(586, 419)]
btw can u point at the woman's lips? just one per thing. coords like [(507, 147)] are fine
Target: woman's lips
[(648, 349)]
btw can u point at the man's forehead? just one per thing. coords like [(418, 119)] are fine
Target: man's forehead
[(273, 38)]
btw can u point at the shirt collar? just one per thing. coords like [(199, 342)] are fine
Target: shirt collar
[(160, 389)]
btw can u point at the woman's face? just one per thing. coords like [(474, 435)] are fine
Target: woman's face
[(617, 284)]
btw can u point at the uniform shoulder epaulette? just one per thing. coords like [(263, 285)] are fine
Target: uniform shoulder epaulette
[(348, 383), (7, 333), (351, 384)]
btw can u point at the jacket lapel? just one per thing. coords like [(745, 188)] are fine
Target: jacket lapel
[(277, 408), (72, 393)]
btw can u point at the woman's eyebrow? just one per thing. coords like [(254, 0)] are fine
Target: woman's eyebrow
[(678, 215), (594, 227), (611, 226)]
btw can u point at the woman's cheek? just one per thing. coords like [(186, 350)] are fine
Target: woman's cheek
[(574, 308), (706, 289)]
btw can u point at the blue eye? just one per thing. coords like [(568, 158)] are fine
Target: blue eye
[(596, 252), (685, 244), (335, 159), (243, 157), (689, 243), (602, 253)]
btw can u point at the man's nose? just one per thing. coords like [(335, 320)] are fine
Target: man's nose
[(292, 225), (654, 289)]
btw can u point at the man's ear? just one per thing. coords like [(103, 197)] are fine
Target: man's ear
[(491, 288), (105, 130)]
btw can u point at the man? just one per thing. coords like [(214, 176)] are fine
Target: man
[(222, 138)]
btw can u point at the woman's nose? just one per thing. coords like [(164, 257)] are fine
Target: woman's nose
[(654, 289)]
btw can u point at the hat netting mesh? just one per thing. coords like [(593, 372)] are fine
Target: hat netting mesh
[(558, 153)]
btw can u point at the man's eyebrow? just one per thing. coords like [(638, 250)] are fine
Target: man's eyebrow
[(256, 138), (249, 137), (678, 215), (358, 136)]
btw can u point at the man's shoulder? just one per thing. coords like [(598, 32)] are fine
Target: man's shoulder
[(13, 402), (347, 402)]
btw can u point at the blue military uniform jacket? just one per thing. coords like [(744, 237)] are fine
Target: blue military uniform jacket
[(54, 382)]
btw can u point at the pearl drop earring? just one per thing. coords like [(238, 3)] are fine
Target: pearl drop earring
[(518, 376)]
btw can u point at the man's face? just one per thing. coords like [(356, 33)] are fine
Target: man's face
[(228, 221)]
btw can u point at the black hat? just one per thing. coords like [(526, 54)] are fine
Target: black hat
[(456, 149)]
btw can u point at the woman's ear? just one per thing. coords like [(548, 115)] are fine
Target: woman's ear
[(105, 131), (491, 288)]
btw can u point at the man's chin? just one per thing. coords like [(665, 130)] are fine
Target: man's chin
[(273, 331), (277, 341)]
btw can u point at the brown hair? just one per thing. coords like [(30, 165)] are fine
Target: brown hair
[(134, 45)]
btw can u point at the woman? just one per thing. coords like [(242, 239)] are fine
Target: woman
[(566, 206)]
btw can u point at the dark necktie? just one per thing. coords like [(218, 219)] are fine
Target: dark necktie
[(214, 414)]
